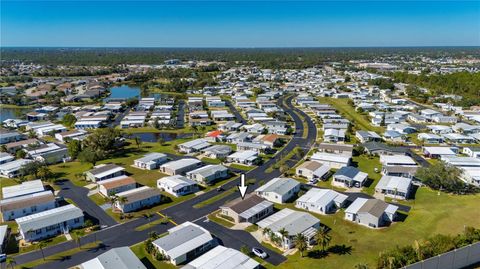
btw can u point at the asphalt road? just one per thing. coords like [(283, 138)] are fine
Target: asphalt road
[(79, 195), (181, 114), (235, 112), (125, 235)]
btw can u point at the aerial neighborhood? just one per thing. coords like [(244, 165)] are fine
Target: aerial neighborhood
[(238, 167)]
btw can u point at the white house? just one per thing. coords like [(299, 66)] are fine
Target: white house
[(294, 222), (115, 258), (348, 177), (372, 213), (334, 161), (12, 169), (278, 190), (313, 170), (224, 258), (19, 206), (184, 243), (50, 223), (151, 161), (193, 146), (208, 174), (112, 186), (247, 157), (322, 201), (104, 171), (138, 198), (177, 185), (394, 187), (180, 166)]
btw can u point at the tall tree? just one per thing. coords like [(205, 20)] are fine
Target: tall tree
[(300, 242), (322, 237)]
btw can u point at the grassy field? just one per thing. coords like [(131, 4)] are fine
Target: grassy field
[(98, 199), (210, 160), (349, 112), (218, 219), (352, 244), (240, 166), (368, 164)]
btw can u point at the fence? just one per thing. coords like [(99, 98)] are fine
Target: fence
[(455, 259)]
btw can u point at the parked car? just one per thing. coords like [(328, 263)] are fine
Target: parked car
[(259, 253)]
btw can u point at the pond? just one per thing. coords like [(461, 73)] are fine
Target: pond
[(12, 113), (123, 92), (153, 137)]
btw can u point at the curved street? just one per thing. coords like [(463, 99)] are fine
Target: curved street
[(125, 234)]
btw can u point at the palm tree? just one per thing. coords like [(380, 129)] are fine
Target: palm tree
[(77, 237), (137, 141), (300, 242), (322, 237), (153, 235), (44, 173), (267, 232), (41, 246), (284, 234), (11, 261)]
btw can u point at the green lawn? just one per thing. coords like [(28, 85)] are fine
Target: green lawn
[(430, 214), (148, 260), (368, 164), (59, 256), (98, 199), (218, 219), (210, 160), (241, 167), (216, 197), (349, 112)]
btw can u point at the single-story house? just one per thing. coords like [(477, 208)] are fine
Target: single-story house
[(6, 157), (208, 174), (224, 258), (25, 188), (313, 170), (372, 213), (394, 187), (279, 190), (115, 258), (348, 177), (367, 136), (19, 206), (13, 168), (251, 209), (438, 152), (104, 171), (184, 243), (50, 222), (112, 186), (334, 161), (293, 222), (247, 157), (180, 166), (151, 161), (217, 151), (193, 146), (322, 201), (430, 138), (343, 149), (177, 185), (334, 135), (138, 198)]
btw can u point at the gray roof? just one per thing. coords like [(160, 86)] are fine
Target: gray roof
[(182, 239), (208, 170), (178, 164), (222, 258), (292, 221), (116, 258), (218, 149), (105, 168), (400, 184), (49, 217), (279, 185), (151, 157)]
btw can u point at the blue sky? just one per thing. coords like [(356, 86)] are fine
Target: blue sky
[(239, 24)]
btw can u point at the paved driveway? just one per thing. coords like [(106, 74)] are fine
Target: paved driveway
[(79, 195)]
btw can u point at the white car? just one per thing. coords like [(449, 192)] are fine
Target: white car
[(259, 253)]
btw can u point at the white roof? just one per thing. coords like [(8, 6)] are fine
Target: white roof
[(322, 197), (329, 157), (279, 185), (25, 188), (180, 163), (292, 221), (116, 258), (222, 258), (439, 150), (397, 159), (400, 184), (245, 154), (183, 239), (176, 182), (49, 217)]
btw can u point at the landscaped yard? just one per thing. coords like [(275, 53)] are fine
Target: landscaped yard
[(148, 260), (431, 213), (368, 164)]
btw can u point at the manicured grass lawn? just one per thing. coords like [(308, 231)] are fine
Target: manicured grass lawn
[(12, 250), (430, 214), (210, 160), (241, 167), (349, 112), (98, 199), (59, 256), (252, 228), (216, 197), (71, 171), (218, 219), (150, 225), (148, 260)]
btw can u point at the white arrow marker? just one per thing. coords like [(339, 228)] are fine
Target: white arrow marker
[(242, 187)]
